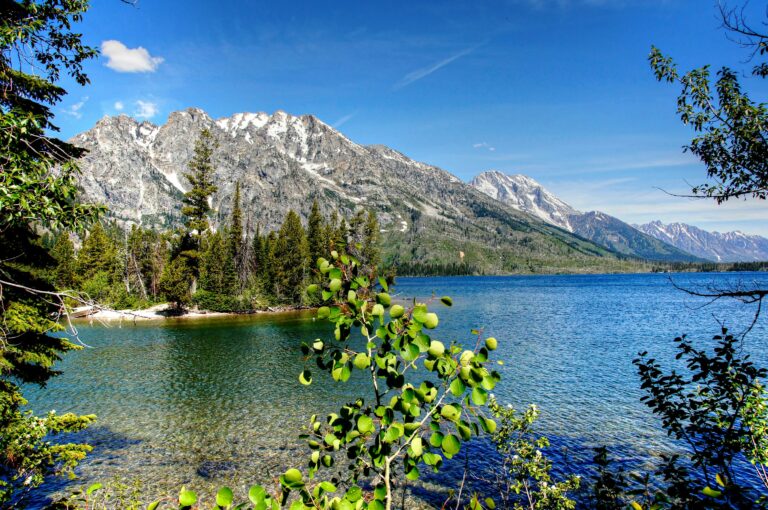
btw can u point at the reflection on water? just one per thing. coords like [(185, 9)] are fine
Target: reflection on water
[(208, 402)]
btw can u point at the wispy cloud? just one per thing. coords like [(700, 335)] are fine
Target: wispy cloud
[(122, 59), (75, 109), (343, 120), (484, 145), (145, 109), (119, 106), (423, 72)]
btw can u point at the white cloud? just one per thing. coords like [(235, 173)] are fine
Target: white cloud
[(75, 109), (119, 106), (145, 109), (484, 145), (426, 71), (129, 60)]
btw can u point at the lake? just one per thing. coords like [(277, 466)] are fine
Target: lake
[(210, 402)]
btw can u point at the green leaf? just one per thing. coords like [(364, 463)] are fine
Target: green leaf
[(450, 412), (383, 283), (396, 311), (712, 493), (335, 285), (420, 313), (436, 348), (364, 424), (292, 479), (224, 497), (488, 425), (353, 494), (635, 505), (361, 361), (383, 299), (491, 343), (417, 447), (436, 439), (187, 498), (479, 396), (720, 480), (327, 486), (431, 321), (154, 505), (323, 312), (93, 488), (450, 445), (305, 377), (257, 494), (376, 505), (446, 300), (458, 387)]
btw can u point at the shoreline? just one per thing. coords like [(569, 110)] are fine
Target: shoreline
[(165, 311)]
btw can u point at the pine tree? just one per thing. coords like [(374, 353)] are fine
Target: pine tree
[(341, 239), (356, 234), (370, 251), (292, 255), (332, 240), (271, 264), (98, 254), (257, 252), (217, 273), (196, 207), (236, 245), (174, 282), (315, 234), (66, 265)]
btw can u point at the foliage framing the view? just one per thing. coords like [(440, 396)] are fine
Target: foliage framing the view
[(37, 190)]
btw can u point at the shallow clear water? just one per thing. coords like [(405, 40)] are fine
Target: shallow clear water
[(217, 401)]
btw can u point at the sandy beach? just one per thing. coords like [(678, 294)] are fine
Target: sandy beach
[(158, 312)]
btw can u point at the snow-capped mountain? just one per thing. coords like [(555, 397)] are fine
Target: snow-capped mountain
[(525, 194), (726, 247), (284, 162)]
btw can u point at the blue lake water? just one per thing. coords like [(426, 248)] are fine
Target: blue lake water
[(217, 401)]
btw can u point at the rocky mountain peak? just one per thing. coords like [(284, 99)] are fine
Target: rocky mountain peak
[(525, 194), (734, 246)]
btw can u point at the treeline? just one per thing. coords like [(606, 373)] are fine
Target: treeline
[(218, 270), (436, 269), (710, 267)]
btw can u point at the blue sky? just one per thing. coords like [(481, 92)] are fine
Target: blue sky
[(559, 90)]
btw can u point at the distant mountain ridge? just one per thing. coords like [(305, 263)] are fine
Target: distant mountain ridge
[(718, 247), (282, 162), (525, 194)]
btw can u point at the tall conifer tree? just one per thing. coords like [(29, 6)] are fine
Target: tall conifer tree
[(315, 233), (292, 255), (235, 244)]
